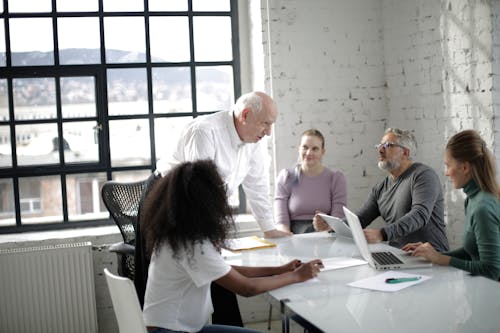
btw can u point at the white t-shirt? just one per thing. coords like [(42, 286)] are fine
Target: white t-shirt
[(214, 137), (178, 291)]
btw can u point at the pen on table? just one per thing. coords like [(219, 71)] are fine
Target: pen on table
[(399, 280)]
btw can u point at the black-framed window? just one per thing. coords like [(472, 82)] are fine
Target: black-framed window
[(99, 89)]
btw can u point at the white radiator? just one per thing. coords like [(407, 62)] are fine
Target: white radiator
[(47, 289)]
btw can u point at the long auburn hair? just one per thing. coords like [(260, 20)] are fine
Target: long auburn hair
[(186, 206), (468, 146)]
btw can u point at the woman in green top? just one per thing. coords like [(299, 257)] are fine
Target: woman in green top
[(470, 166)]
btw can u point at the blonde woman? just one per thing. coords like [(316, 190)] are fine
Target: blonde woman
[(309, 188)]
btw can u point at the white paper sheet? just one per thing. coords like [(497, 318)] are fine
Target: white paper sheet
[(340, 262), (377, 282)]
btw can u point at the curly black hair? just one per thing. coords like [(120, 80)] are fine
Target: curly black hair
[(186, 206)]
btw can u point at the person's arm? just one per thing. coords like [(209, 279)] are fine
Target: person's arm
[(369, 210), (251, 286), (281, 197), (338, 191), (425, 191), (256, 187), (485, 233), (251, 271), (427, 251)]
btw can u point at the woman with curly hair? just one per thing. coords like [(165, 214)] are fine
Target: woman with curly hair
[(186, 220), (471, 167)]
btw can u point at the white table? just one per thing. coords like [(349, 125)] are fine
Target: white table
[(451, 301)]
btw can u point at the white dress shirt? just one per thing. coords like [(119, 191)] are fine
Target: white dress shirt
[(214, 137)]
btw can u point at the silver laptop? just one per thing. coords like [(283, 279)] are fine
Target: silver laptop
[(382, 259), (338, 225)]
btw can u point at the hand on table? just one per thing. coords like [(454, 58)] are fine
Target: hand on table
[(308, 270), (292, 265), (427, 251), (410, 247)]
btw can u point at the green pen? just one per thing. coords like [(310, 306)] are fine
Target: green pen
[(399, 280)]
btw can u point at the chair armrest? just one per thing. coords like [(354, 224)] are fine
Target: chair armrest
[(122, 248)]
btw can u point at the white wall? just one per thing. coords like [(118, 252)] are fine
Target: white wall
[(353, 68), (328, 73)]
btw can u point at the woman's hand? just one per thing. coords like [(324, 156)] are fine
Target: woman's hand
[(428, 252), (291, 266), (410, 247), (319, 224), (308, 270)]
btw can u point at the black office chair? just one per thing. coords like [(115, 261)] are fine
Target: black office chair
[(122, 201)]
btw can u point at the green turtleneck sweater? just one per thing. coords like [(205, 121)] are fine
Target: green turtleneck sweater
[(480, 254)]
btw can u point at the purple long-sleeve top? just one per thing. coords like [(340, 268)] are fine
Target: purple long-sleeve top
[(299, 200)]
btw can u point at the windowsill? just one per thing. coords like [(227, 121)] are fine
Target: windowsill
[(245, 225)]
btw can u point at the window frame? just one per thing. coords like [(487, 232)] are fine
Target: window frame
[(99, 72)]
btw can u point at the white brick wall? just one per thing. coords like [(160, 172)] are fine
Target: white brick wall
[(353, 68)]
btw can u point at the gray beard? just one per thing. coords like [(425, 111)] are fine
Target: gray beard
[(388, 165)]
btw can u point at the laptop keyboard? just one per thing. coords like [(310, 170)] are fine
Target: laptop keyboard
[(386, 258)]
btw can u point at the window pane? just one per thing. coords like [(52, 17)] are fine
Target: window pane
[(129, 142), (207, 48), (211, 6), (40, 199), (123, 5), (34, 98), (127, 91), (125, 39), (79, 40), (167, 131), (37, 144), (78, 97), (168, 5), (80, 142), (131, 176), (172, 90), (84, 196), (169, 39), (30, 6), (7, 208), (77, 6), (3, 60), (4, 101), (31, 41), (214, 88), (5, 147)]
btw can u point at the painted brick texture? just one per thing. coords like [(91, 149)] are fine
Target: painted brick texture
[(353, 68)]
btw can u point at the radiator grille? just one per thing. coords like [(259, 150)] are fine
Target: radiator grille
[(47, 289)]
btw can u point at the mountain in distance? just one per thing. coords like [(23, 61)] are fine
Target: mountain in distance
[(123, 83)]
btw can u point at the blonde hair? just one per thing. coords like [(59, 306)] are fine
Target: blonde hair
[(316, 133)]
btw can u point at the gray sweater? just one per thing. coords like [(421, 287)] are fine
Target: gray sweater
[(412, 207)]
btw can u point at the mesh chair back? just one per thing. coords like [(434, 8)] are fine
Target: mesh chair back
[(122, 201)]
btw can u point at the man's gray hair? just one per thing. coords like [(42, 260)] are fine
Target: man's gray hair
[(251, 100), (405, 139)]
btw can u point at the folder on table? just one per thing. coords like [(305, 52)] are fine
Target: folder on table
[(247, 243)]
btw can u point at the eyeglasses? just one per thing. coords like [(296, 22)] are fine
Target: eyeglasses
[(388, 144)]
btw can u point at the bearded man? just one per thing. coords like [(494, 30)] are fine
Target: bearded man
[(409, 199)]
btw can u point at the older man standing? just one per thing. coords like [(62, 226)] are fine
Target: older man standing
[(232, 140), (409, 199)]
